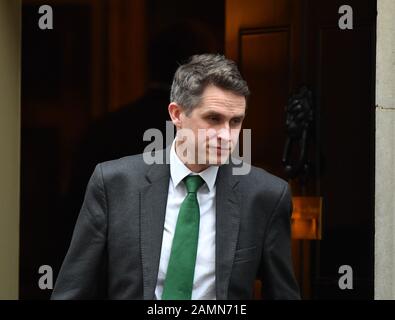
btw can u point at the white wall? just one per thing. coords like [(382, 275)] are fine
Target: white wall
[(10, 21), (385, 152)]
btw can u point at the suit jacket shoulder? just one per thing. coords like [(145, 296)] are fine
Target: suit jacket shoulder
[(260, 178), (135, 168), (130, 166)]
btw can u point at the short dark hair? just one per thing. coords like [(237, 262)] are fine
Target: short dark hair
[(202, 70)]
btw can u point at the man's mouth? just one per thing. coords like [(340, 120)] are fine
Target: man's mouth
[(222, 149), (218, 149)]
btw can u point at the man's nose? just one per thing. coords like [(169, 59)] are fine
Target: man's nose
[(224, 133)]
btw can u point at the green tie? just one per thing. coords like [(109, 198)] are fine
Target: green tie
[(181, 269)]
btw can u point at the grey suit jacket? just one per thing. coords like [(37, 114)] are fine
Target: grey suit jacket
[(116, 245)]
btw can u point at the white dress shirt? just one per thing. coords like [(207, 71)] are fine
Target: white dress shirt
[(204, 279)]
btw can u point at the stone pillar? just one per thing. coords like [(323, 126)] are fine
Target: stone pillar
[(385, 152), (10, 43)]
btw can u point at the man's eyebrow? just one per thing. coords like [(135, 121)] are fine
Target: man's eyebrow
[(217, 114), (212, 113)]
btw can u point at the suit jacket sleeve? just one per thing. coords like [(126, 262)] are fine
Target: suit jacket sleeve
[(278, 281), (83, 273)]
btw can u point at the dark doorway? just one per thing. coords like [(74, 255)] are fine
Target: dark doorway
[(91, 86)]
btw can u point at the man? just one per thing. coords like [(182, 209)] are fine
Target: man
[(191, 229)]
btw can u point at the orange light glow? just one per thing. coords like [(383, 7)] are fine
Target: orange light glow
[(306, 218)]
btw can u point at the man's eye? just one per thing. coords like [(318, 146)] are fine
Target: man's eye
[(214, 119), (236, 121)]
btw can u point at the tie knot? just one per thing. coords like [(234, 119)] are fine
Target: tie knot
[(193, 183)]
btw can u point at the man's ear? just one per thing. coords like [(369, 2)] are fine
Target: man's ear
[(175, 114)]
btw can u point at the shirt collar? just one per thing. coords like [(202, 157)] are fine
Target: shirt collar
[(179, 171)]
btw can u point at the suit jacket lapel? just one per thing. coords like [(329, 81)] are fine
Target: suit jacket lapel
[(227, 228), (152, 216)]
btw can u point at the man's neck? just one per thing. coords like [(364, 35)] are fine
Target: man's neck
[(196, 168)]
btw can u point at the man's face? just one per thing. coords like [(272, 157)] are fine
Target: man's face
[(215, 123)]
